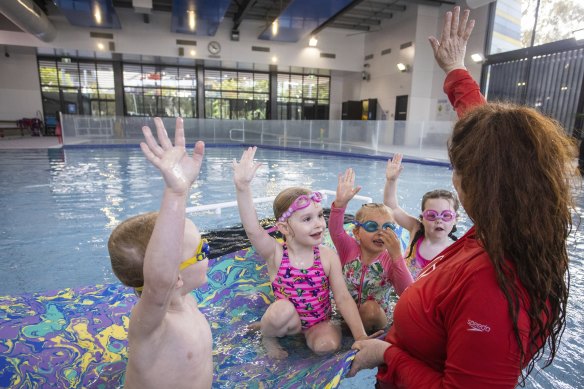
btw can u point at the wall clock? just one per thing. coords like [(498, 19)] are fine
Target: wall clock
[(214, 47)]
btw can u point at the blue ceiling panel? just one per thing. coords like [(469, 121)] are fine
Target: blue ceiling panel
[(301, 17), (90, 13), (198, 17)]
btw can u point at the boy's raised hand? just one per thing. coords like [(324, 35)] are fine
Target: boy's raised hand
[(244, 170), (394, 167), (178, 169), (346, 189)]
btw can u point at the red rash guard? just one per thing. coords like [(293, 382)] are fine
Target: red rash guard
[(452, 327)]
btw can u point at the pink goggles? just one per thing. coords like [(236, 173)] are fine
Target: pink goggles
[(432, 215), (301, 202)]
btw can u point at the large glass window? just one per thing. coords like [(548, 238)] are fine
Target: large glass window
[(160, 90), (76, 87), (303, 97), (524, 23), (231, 94)]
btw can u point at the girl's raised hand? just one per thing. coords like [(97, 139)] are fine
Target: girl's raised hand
[(394, 167), (244, 170), (178, 169), (346, 189)]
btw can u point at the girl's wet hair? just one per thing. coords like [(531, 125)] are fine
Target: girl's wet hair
[(512, 160), (367, 208), (435, 194), (285, 198)]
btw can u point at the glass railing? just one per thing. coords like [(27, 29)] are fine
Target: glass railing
[(420, 139)]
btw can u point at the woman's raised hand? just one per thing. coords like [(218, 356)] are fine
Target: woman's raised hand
[(450, 50), (178, 169), (244, 170)]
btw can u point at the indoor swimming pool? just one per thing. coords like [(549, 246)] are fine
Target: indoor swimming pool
[(60, 205)]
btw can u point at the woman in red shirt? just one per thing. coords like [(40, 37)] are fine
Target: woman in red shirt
[(484, 308)]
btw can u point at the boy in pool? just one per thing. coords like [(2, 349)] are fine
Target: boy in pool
[(169, 339)]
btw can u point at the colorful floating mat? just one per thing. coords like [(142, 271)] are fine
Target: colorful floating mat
[(77, 338)]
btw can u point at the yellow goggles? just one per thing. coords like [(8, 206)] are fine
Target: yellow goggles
[(201, 254)]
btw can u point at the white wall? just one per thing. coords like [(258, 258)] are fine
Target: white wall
[(19, 86), (20, 94)]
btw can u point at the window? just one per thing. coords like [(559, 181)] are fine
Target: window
[(521, 23), (231, 94), (303, 97), (76, 87), (160, 90)]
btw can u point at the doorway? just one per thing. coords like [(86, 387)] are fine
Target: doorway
[(401, 115)]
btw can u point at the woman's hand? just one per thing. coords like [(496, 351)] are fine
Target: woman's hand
[(346, 189), (178, 169), (369, 355), (450, 50), (394, 167), (244, 170)]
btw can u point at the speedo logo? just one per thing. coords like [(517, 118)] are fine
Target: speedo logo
[(477, 327)]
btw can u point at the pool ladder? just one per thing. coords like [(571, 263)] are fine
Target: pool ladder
[(217, 207)]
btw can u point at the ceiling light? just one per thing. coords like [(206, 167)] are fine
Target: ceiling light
[(313, 41), (477, 57), (97, 14), (274, 59), (275, 26), (402, 67), (193, 53), (100, 46), (192, 20)]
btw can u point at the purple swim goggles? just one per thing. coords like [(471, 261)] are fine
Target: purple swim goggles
[(301, 202)]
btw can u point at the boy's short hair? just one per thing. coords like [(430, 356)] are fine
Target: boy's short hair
[(127, 247)]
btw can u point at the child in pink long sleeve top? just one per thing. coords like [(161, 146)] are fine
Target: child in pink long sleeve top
[(372, 261)]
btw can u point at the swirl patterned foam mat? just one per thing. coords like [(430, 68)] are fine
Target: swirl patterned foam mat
[(76, 338)]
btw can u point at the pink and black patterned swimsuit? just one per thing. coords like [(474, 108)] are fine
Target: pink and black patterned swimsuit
[(308, 289)]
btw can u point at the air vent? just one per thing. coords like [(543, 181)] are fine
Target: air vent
[(183, 42), (181, 51), (101, 35), (328, 55), (260, 48), (112, 46), (386, 51), (405, 45), (368, 57)]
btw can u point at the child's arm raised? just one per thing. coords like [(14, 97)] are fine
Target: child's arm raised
[(165, 248), (243, 173), (392, 172), (346, 188)]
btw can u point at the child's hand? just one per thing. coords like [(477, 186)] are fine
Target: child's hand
[(346, 189), (392, 243), (394, 167), (374, 335), (244, 171), (178, 169)]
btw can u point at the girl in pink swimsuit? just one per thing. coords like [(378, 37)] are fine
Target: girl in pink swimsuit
[(301, 270), (433, 231)]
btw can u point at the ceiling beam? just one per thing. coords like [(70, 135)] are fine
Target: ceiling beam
[(332, 19), (242, 9)]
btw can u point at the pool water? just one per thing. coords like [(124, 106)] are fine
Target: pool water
[(59, 207)]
